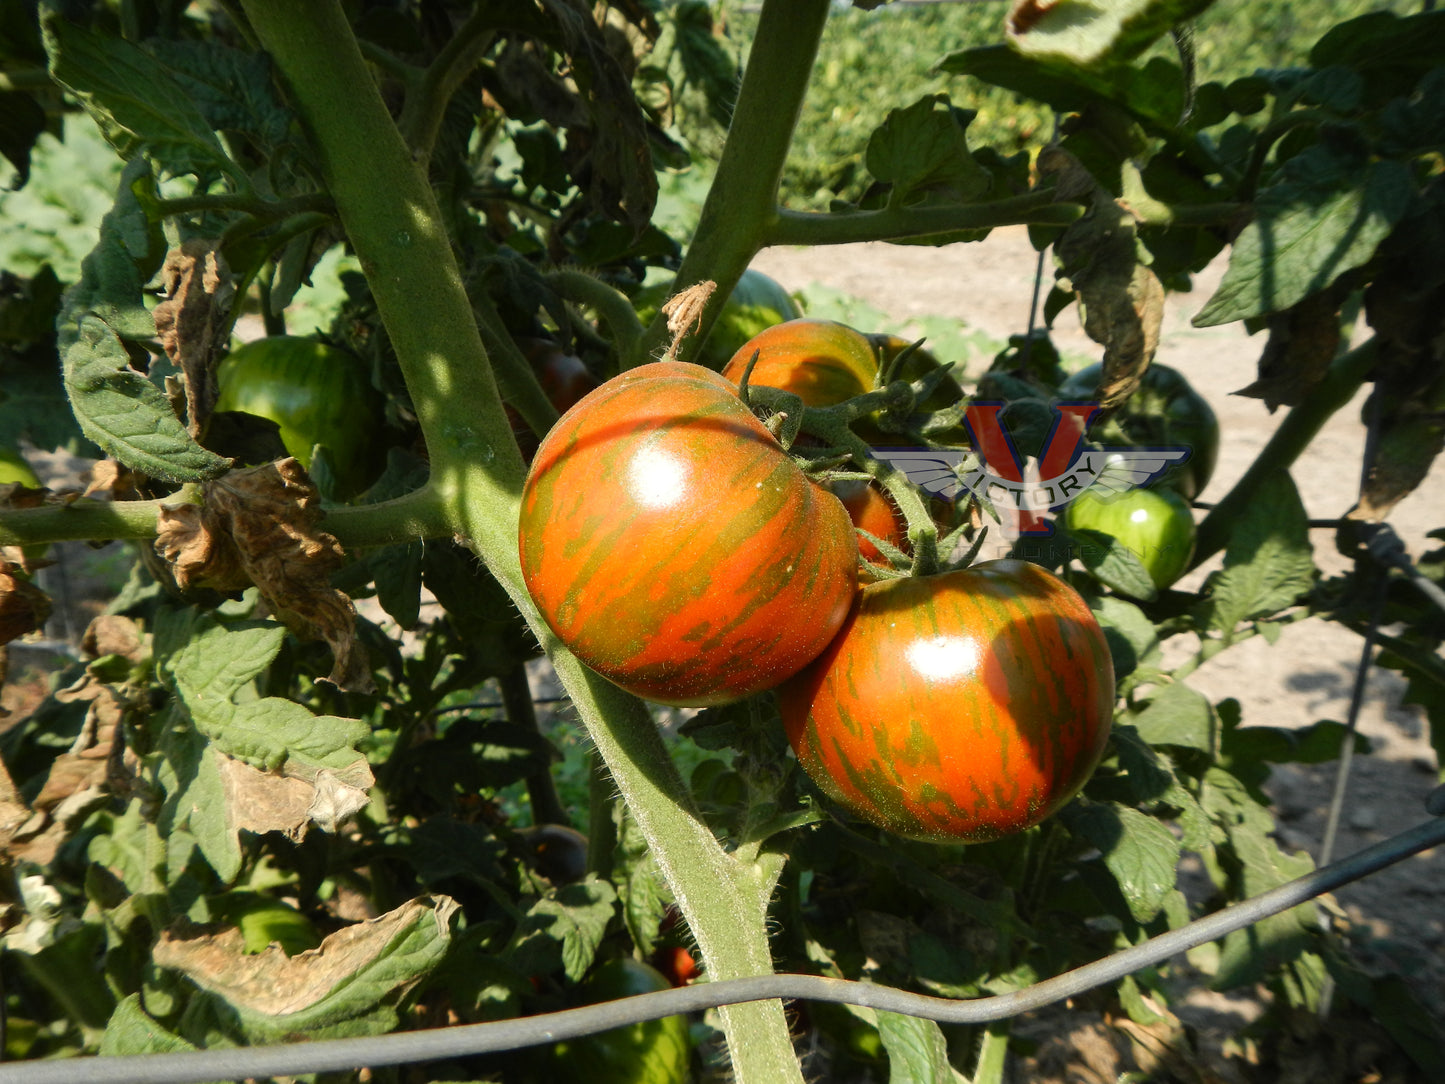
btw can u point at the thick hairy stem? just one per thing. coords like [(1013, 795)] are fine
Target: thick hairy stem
[(741, 206), (393, 223)]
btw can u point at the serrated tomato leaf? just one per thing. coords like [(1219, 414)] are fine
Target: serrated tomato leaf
[(1139, 852), (564, 928), (136, 101), (922, 152), (1325, 217), (1114, 564), (1092, 34), (1268, 561)]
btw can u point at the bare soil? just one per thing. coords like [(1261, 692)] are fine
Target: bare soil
[(1305, 677)]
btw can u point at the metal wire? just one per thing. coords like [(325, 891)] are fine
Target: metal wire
[(420, 1046)]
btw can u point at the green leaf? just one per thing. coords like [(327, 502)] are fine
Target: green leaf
[(917, 1050), (1152, 779), (1327, 216), (641, 887), (922, 151), (1268, 561), (1089, 33), (231, 89), (1315, 744), (1425, 683), (1141, 853), (397, 571), (135, 100), (1133, 641), (1114, 564), (132, 1031), (1248, 954), (117, 407), (564, 927), (347, 987), (1178, 715), (195, 813)]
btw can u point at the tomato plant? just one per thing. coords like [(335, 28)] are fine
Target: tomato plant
[(1164, 412), (316, 395), (652, 1052), (675, 547), (822, 362), (1155, 525), (958, 707)]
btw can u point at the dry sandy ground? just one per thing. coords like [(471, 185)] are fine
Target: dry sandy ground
[(1308, 674)]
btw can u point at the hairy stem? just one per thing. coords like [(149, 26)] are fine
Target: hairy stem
[(426, 105), (741, 207), (394, 225)]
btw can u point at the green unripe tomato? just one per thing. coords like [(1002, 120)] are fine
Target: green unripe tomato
[(1165, 411), (316, 394), (1153, 524), (653, 1052), (13, 468)]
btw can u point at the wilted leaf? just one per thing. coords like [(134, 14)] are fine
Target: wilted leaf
[(23, 606), (1121, 299), (290, 801), (259, 525), (193, 319), (1302, 343), (1088, 33), (112, 634), (350, 973)]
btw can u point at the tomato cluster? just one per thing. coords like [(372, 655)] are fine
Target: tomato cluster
[(676, 548)]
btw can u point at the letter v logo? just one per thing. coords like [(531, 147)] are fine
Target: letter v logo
[(1002, 461)]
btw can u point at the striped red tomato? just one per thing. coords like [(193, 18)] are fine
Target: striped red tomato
[(959, 707), (675, 547)]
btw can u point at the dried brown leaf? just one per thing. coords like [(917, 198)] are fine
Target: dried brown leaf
[(23, 606), (261, 525), (112, 634), (192, 319), (85, 765), (1303, 340), (274, 984), (684, 311), (1120, 298), (111, 478), (291, 801), (13, 810)]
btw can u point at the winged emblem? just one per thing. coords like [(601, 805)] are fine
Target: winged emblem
[(930, 469), (1118, 469)]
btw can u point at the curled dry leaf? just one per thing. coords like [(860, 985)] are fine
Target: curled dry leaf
[(111, 478), (274, 984), (192, 319), (293, 799), (1302, 342), (261, 525), (112, 634), (684, 311), (1120, 298), (23, 606)]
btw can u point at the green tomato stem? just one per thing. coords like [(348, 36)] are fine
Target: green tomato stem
[(613, 306), (426, 102), (392, 220), (1037, 208), (1293, 436), (741, 206)]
